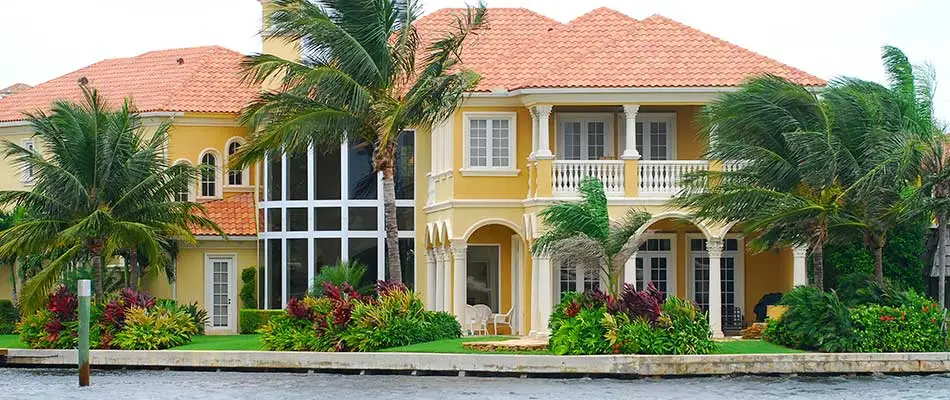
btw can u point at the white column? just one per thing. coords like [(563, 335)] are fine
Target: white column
[(431, 290), (545, 294), (543, 113), (447, 279), (534, 315), (459, 267), (714, 248), (630, 115), (630, 271), (799, 266), (439, 278), (534, 133)]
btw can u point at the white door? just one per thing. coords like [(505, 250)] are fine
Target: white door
[(655, 264), (220, 293), (588, 138), (656, 135)]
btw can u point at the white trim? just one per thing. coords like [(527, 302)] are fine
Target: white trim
[(218, 184), (672, 282), (512, 118), (480, 171), (609, 121), (671, 133), (541, 201), (245, 173), (28, 177), (517, 279), (232, 259), (739, 256)]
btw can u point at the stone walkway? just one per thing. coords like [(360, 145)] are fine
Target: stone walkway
[(520, 344)]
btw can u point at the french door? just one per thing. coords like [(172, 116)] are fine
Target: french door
[(220, 292), (655, 264), (586, 138), (729, 274)]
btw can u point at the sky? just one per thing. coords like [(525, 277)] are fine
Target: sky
[(43, 39)]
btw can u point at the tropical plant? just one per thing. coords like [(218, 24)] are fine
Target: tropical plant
[(249, 288), (359, 80), (7, 220), (582, 233), (350, 272), (101, 186), (815, 320)]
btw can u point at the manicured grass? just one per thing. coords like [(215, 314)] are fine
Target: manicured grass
[(223, 342), (11, 342), (752, 347), (455, 346)]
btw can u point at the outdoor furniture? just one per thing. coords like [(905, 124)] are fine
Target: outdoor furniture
[(468, 320), (482, 314), (732, 320), (502, 319)]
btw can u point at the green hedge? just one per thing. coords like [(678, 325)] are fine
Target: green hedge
[(249, 288), (9, 316), (251, 320)]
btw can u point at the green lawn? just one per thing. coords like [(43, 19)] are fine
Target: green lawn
[(223, 342), (752, 347), (11, 342), (454, 346)]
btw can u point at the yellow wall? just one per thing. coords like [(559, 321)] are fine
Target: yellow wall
[(10, 176), (6, 289), (188, 142), (501, 236), (190, 282), (504, 187)]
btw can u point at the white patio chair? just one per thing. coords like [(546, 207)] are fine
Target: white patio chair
[(502, 319), (469, 315), (482, 314)]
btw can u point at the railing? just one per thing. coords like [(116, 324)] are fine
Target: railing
[(664, 178), (568, 175)]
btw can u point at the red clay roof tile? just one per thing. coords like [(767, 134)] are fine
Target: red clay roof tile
[(235, 215), (208, 79)]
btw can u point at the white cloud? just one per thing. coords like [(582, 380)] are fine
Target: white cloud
[(42, 39)]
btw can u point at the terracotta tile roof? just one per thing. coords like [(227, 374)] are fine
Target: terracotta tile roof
[(207, 80), (603, 48), (14, 88), (235, 215)]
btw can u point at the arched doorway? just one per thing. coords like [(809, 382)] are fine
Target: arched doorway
[(494, 274)]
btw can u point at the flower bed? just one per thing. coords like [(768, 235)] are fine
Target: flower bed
[(128, 321), (638, 322), (344, 320), (820, 321)]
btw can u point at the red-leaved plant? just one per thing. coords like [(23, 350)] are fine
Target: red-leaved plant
[(63, 303)]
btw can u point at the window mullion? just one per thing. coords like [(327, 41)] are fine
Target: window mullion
[(489, 142)]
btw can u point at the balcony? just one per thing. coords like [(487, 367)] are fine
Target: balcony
[(663, 178), (568, 175)]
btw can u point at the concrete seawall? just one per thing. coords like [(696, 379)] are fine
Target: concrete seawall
[(494, 365)]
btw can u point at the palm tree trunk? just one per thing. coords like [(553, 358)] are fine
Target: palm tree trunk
[(96, 250), (942, 259), (393, 265), (135, 273), (818, 261), (879, 263)]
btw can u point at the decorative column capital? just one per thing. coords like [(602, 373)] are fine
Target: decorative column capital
[(714, 247), (800, 251), (630, 110), (459, 249), (543, 111)]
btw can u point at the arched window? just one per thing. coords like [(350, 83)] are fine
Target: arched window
[(209, 184), (183, 193), (235, 176)]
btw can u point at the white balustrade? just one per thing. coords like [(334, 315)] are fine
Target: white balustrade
[(568, 175), (663, 178), (733, 165)]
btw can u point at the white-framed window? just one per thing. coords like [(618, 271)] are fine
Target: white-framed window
[(236, 177), (489, 143), (186, 193), (585, 136), (656, 135), (27, 175), (656, 263), (731, 272), (209, 182), (577, 278)]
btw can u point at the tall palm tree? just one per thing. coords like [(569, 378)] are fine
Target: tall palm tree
[(101, 185), (359, 80), (581, 233)]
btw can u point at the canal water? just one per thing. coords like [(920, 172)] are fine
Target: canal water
[(34, 384)]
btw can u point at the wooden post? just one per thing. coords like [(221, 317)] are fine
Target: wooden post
[(84, 294)]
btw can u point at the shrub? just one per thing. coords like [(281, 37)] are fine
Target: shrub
[(248, 293), (342, 273), (815, 320), (252, 320), (639, 323), (158, 328), (9, 316), (915, 326), (861, 289), (344, 320)]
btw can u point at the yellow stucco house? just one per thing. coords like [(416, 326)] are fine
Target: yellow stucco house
[(603, 95)]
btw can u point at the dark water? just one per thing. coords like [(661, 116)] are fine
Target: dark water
[(120, 385)]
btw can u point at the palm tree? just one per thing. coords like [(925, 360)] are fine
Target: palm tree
[(7, 220), (102, 185), (359, 80), (581, 233)]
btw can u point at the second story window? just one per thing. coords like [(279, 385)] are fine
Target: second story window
[(209, 184), (489, 141), (28, 173), (235, 176)]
